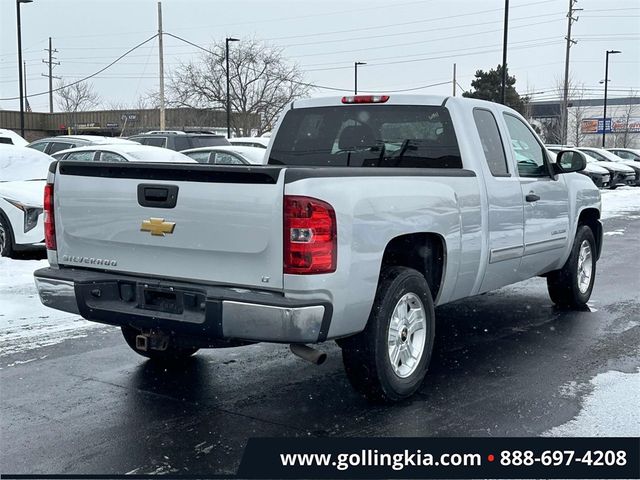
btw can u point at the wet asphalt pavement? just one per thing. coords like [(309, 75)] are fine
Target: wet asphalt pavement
[(502, 363)]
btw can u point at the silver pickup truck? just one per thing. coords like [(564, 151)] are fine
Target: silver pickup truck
[(371, 210)]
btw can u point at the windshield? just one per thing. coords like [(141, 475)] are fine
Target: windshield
[(367, 136), (22, 163)]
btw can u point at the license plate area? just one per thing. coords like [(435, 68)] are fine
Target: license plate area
[(162, 300), (166, 299)]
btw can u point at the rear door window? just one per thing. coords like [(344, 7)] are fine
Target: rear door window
[(371, 135), (153, 141), (208, 141), (57, 146), (224, 158), (111, 157), (200, 157), (83, 156), (181, 143), (491, 142), (40, 146)]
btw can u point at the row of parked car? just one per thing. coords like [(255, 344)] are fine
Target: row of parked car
[(24, 167), (23, 170), (156, 146), (608, 168)]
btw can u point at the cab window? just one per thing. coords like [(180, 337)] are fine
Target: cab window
[(529, 154)]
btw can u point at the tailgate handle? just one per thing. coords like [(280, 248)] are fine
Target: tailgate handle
[(157, 196)]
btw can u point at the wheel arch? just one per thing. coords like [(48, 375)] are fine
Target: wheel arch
[(424, 252), (591, 218)]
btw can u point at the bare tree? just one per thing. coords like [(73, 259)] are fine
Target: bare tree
[(262, 82), (76, 97), (577, 113), (624, 121)]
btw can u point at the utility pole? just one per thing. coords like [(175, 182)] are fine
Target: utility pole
[(51, 63), (454, 79), (26, 100), (503, 87), (565, 97), (161, 62), (355, 78)]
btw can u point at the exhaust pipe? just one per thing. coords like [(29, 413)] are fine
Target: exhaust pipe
[(307, 353)]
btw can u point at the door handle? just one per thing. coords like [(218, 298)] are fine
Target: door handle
[(532, 197)]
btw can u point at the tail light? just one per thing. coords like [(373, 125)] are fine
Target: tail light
[(49, 219), (365, 99), (310, 237)]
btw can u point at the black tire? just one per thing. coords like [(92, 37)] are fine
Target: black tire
[(173, 353), (613, 186), (366, 355), (563, 285), (6, 237)]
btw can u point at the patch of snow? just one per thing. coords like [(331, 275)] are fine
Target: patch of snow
[(610, 410), (614, 232), (620, 202), (25, 323)]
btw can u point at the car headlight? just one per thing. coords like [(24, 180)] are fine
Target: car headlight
[(31, 214)]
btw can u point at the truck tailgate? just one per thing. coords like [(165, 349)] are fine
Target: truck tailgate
[(225, 227)]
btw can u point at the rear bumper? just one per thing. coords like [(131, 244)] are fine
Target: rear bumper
[(203, 312)]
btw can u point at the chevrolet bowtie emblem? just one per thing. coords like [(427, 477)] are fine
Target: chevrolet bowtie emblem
[(157, 226)]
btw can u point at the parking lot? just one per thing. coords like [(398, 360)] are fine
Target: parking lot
[(76, 400)]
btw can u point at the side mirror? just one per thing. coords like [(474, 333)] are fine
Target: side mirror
[(569, 161)]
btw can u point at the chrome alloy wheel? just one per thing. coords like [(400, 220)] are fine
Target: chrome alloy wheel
[(407, 335), (585, 266)]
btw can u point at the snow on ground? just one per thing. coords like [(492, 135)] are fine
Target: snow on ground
[(25, 323), (623, 201), (610, 410)]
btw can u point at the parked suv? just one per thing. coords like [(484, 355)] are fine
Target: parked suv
[(176, 140)]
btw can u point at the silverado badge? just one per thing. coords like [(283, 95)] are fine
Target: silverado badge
[(157, 226)]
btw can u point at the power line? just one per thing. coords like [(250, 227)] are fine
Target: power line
[(421, 31), (89, 76)]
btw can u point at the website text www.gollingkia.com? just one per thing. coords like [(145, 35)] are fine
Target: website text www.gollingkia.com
[(373, 458)]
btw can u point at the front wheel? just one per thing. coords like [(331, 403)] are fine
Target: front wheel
[(6, 237), (571, 286), (389, 359), (172, 354)]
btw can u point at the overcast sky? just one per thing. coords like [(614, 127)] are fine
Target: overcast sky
[(406, 44)]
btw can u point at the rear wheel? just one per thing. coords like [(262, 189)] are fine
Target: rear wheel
[(6, 237), (389, 359), (172, 354), (571, 286)]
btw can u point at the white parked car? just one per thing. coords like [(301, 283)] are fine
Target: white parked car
[(598, 174), (260, 142), (231, 155), (626, 154), (53, 145), (627, 172), (23, 173), (133, 152), (10, 137)]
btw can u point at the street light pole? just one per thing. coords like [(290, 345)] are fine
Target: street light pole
[(606, 81), (20, 79), (227, 40), (355, 83)]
